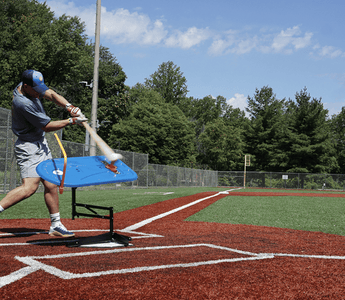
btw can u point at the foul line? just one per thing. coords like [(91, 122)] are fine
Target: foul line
[(147, 221)]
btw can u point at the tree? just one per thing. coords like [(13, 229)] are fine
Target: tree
[(155, 127), (23, 33), (266, 130), (113, 101), (221, 146), (337, 124), (208, 109), (311, 147), (169, 82), (31, 38)]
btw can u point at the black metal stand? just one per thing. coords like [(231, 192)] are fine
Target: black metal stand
[(103, 238)]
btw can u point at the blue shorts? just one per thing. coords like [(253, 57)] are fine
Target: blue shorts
[(29, 155)]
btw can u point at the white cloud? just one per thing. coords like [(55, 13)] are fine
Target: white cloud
[(302, 42), (291, 36), (220, 45), (238, 101), (329, 51), (245, 46), (123, 26), (185, 40), (120, 26), (286, 41)]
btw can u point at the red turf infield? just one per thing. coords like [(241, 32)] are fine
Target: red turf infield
[(191, 260)]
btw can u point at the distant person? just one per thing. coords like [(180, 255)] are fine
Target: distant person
[(29, 124)]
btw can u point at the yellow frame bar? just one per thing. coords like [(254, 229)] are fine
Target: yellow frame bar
[(64, 165)]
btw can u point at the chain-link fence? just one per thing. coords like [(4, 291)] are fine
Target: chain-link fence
[(7, 161), (282, 180), (148, 175), (166, 176)]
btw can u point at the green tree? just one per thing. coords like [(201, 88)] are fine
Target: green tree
[(155, 127), (222, 146), (187, 106), (311, 146), (235, 117), (208, 109), (113, 100), (23, 33), (338, 137), (31, 38), (266, 130), (169, 82)]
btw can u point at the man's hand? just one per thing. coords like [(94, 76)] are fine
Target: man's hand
[(73, 110), (78, 120)]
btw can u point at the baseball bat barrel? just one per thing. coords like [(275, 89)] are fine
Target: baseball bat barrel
[(107, 151)]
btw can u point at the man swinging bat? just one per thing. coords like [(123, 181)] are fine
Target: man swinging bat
[(29, 124)]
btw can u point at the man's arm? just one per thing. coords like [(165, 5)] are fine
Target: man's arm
[(55, 97), (61, 101), (56, 125)]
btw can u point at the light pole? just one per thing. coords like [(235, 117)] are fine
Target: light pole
[(95, 78)]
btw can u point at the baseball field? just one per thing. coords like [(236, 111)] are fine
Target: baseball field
[(201, 243)]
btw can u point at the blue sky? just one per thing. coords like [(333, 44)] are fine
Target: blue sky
[(227, 47)]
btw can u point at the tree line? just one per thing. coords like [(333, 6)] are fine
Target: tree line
[(157, 117)]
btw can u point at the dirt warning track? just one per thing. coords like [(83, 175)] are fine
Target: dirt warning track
[(171, 258)]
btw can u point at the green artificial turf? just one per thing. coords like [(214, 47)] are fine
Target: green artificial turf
[(304, 213), (325, 214), (120, 200)]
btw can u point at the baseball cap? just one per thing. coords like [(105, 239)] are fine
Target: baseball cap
[(35, 80)]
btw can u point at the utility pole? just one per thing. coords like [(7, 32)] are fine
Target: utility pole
[(95, 77)]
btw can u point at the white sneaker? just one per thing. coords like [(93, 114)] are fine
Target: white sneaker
[(60, 230)]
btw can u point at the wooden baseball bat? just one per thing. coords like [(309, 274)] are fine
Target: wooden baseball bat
[(107, 151)]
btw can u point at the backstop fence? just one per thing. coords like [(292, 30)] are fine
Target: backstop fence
[(150, 175)]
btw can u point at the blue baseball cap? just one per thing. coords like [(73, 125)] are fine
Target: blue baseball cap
[(35, 80)]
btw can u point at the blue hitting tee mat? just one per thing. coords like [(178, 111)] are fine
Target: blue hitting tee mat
[(85, 171)]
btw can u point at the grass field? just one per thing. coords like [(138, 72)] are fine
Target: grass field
[(322, 214)]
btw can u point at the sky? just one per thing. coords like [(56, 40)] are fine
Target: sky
[(226, 47)]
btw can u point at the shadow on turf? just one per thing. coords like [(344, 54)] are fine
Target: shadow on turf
[(20, 232), (79, 241), (52, 242)]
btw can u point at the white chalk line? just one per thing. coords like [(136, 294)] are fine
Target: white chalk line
[(33, 263), (147, 221)]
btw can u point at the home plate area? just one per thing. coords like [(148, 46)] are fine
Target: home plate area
[(169, 258)]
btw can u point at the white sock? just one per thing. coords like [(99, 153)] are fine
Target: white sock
[(55, 219), (1, 209)]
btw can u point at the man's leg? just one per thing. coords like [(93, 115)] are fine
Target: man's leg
[(51, 198), (28, 187)]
